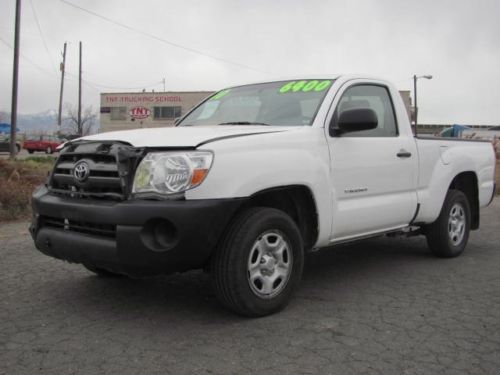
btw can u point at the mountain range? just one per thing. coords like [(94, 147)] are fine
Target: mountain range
[(42, 122)]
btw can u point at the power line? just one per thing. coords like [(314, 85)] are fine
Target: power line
[(160, 39), (96, 85), (41, 34), (28, 59), (125, 88)]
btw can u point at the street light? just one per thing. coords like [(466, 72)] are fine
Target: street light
[(415, 108)]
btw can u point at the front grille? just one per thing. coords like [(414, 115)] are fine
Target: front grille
[(109, 169), (102, 230)]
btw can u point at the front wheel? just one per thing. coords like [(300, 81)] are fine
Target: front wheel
[(31, 151), (259, 263), (448, 235)]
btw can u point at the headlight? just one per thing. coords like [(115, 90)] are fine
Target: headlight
[(171, 172)]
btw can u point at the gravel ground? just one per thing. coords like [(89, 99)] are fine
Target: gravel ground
[(383, 306)]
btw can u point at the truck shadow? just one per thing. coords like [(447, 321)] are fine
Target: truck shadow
[(367, 255), (190, 295)]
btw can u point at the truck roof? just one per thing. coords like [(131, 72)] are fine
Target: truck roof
[(331, 76)]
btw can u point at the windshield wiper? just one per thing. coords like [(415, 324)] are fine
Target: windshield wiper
[(242, 123)]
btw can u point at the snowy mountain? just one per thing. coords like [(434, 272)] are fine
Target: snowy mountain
[(45, 122), (31, 123)]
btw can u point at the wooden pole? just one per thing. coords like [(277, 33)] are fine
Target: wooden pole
[(80, 94), (63, 68), (15, 76)]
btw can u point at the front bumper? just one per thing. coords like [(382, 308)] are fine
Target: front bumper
[(134, 237)]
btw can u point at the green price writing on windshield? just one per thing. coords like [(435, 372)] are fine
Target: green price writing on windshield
[(305, 86), (220, 94)]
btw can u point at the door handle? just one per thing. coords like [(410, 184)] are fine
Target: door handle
[(403, 154)]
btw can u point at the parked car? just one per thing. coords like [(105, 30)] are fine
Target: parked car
[(5, 145), (254, 177), (46, 143)]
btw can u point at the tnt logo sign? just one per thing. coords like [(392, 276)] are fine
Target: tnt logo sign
[(139, 113)]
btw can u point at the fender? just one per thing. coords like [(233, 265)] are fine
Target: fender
[(244, 166), (435, 180)]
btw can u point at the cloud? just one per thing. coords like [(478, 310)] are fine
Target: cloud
[(455, 41)]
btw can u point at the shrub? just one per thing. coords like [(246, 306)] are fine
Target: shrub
[(18, 179)]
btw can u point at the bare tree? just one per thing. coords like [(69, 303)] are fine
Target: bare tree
[(87, 126)]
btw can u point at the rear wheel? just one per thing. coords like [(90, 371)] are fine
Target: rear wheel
[(259, 263), (448, 235)]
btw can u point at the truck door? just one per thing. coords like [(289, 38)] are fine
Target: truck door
[(373, 171)]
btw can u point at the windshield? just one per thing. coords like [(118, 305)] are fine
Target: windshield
[(284, 103)]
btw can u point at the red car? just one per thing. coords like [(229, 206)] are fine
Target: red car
[(45, 143)]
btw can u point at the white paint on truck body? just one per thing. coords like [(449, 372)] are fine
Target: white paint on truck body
[(359, 185)]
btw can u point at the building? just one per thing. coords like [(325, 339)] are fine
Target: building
[(123, 111), (405, 95)]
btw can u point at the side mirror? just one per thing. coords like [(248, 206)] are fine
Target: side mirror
[(353, 120)]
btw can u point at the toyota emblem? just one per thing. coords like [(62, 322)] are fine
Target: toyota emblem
[(81, 171)]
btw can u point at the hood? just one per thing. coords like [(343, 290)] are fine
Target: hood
[(182, 136)]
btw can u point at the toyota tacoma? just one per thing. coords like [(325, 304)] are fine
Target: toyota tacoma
[(253, 178)]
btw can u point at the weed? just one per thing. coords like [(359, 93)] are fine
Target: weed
[(18, 179)]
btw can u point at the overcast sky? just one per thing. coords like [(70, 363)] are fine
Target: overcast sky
[(458, 42)]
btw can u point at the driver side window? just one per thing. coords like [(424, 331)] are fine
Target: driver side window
[(373, 97)]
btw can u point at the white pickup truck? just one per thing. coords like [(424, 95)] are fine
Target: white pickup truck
[(254, 177)]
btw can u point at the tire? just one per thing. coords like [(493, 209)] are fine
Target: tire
[(31, 151), (258, 264), (448, 235), (48, 150), (102, 272)]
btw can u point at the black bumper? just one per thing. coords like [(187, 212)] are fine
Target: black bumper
[(134, 237)]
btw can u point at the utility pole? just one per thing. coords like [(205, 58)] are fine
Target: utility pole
[(80, 94), (62, 68), (164, 84), (15, 75), (415, 107)]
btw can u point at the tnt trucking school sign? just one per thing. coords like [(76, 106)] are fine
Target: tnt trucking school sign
[(139, 105), (139, 113), (144, 98)]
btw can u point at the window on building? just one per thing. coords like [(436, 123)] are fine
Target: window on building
[(118, 113), (166, 112)]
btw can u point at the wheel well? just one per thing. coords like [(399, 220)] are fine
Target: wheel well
[(466, 182), (298, 202)]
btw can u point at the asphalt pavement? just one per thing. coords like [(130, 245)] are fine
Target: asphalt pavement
[(382, 306)]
